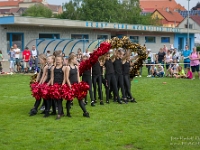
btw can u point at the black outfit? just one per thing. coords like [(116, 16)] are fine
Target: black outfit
[(127, 85), (49, 102), (161, 57), (73, 79), (58, 78), (118, 75), (97, 79), (87, 78), (110, 77)]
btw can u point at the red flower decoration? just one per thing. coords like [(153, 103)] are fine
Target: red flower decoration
[(80, 90), (86, 65), (45, 91)]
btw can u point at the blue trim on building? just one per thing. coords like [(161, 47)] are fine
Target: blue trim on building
[(66, 45), (58, 44), (7, 20), (48, 45)]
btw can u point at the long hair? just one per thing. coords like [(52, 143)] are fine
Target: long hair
[(71, 57), (52, 57)]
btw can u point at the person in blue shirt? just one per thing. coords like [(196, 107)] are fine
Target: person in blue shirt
[(186, 60)]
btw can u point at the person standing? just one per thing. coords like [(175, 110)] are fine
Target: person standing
[(175, 55), (87, 53), (194, 62), (1, 58), (26, 58), (12, 60), (34, 57), (17, 56), (149, 61), (160, 57), (186, 54)]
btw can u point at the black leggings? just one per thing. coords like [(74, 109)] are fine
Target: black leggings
[(112, 80), (81, 104), (97, 80), (88, 80), (127, 85), (48, 103), (120, 84), (60, 107), (37, 104)]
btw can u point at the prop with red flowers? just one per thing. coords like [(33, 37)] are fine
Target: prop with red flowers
[(86, 65)]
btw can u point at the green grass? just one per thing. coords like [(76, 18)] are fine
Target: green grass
[(163, 111)]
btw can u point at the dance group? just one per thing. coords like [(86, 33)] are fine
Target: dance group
[(111, 71)]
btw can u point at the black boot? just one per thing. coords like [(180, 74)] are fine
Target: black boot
[(33, 112), (86, 114), (92, 103), (46, 114)]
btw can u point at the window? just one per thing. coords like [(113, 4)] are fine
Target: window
[(150, 39), (134, 39), (15, 38), (190, 26), (80, 36), (165, 39), (102, 36), (49, 36)]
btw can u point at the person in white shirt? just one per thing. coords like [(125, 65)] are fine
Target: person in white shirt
[(176, 55), (34, 57), (149, 61), (160, 71), (86, 53), (17, 56)]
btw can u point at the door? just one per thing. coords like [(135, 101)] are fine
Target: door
[(180, 44)]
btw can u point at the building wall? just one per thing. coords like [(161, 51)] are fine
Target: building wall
[(194, 24), (32, 32), (157, 15)]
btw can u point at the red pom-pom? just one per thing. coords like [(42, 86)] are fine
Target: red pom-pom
[(36, 92), (45, 91), (80, 90), (55, 91), (67, 93)]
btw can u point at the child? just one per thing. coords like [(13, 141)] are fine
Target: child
[(58, 76), (189, 74), (153, 71), (42, 59), (46, 79), (126, 77), (173, 68), (110, 78), (160, 71), (181, 73), (87, 78), (97, 79), (72, 76), (1, 58), (12, 59)]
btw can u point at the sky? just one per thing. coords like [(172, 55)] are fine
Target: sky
[(182, 2)]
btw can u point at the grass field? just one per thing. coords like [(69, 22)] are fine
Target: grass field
[(166, 117)]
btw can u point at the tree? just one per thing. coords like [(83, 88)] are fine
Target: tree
[(105, 11), (38, 10)]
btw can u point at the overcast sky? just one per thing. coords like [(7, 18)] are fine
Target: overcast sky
[(182, 2)]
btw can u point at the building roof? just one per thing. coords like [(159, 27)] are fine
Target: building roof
[(196, 19), (156, 4), (53, 8), (171, 16), (15, 2), (148, 10)]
